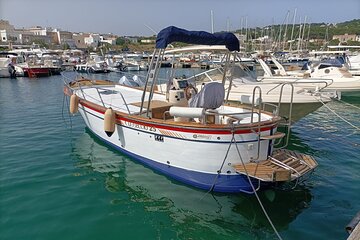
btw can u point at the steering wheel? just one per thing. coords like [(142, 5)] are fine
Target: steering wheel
[(189, 91)]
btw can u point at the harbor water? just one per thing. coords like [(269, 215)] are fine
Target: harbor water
[(58, 181)]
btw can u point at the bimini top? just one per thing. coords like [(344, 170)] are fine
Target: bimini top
[(174, 34)]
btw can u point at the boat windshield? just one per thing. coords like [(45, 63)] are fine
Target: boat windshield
[(330, 63), (239, 73)]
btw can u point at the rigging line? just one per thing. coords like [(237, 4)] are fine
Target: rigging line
[(342, 118), (349, 104), (257, 197), (62, 110), (222, 165), (344, 139), (68, 107)]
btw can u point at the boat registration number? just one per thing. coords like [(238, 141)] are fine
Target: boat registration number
[(159, 138)]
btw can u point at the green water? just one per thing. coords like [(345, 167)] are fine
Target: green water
[(57, 181)]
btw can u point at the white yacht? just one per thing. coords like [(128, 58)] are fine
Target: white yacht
[(323, 76)]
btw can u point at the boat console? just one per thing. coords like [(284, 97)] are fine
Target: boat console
[(177, 96)]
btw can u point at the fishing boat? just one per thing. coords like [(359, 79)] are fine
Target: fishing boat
[(194, 138)]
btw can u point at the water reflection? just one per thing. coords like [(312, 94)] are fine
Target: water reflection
[(219, 213)]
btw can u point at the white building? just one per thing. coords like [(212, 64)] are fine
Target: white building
[(38, 31), (92, 40)]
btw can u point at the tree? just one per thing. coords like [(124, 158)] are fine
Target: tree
[(334, 42), (353, 43), (41, 43), (120, 41), (66, 46)]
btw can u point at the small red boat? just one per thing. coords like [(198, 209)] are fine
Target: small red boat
[(36, 71)]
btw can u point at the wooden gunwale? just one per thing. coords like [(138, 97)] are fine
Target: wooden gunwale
[(191, 125), (264, 125)]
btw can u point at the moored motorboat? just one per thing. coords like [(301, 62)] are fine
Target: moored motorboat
[(293, 101), (7, 69), (9, 65), (36, 71), (324, 76), (194, 138)]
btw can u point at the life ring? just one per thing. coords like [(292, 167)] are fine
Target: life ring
[(188, 91)]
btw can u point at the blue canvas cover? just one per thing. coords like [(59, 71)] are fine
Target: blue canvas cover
[(174, 34)]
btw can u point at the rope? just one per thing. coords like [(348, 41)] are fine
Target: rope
[(219, 171), (342, 118), (62, 109), (68, 106), (349, 104), (248, 177), (255, 192)]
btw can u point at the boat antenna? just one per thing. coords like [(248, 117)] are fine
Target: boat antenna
[(155, 32), (151, 29)]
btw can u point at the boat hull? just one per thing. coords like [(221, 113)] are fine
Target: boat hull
[(190, 157), (223, 183), (33, 72)]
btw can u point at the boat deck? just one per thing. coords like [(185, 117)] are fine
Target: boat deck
[(128, 100), (283, 165)]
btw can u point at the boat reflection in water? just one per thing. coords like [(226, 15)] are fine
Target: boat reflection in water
[(211, 212)]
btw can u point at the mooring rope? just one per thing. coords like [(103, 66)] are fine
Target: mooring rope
[(62, 111), (342, 118), (219, 171), (255, 192), (233, 140), (349, 104)]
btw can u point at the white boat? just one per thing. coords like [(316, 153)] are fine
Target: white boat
[(293, 101), (7, 69), (201, 141), (354, 64), (322, 76), (9, 65), (95, 64), (131, 66)]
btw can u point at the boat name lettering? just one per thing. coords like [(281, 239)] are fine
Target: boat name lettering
[(139, 126), (201, 136)]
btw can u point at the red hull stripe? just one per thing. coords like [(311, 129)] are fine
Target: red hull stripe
[(180, 129)]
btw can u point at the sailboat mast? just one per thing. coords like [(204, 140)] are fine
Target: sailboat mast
[(308, 36), (285, 32), (212, 21), (292, 31), (303, 33), (299, 38)]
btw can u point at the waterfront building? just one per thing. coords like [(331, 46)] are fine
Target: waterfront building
[(345, 37)]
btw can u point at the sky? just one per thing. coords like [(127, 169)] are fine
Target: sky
[(145, 17)]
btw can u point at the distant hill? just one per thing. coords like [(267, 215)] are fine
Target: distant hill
[(317, 30)]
